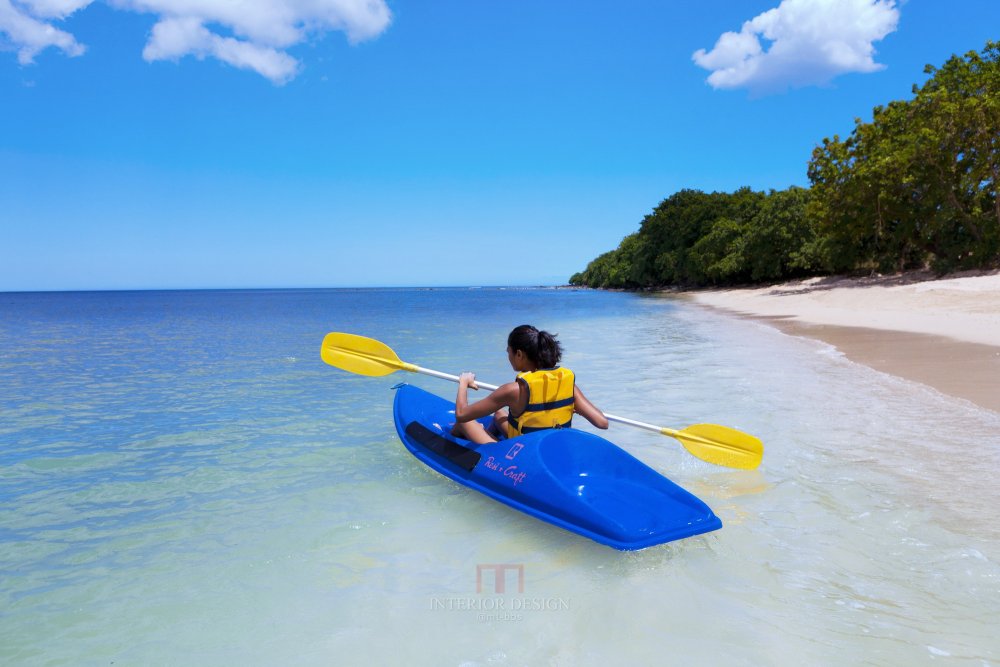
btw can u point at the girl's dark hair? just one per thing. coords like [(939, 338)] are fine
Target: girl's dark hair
[(541, 347)]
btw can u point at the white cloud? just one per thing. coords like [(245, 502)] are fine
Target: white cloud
[(29, 35), (54, 9), (811, 42), (249, 35), (174, 38)]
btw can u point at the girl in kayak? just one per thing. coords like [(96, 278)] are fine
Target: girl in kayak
[(542, 396)]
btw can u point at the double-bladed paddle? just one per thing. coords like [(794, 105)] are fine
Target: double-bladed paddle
[(716, 444)]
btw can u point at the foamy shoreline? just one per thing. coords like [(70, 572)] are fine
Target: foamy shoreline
[(942, 332)]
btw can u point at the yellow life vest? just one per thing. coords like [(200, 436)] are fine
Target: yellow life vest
[(550, 401)]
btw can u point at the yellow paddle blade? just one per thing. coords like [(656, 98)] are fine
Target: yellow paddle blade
[(361, 355), (720, 445)]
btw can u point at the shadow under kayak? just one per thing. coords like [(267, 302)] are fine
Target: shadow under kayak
[(570, 478)]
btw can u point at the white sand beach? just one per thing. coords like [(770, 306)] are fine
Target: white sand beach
[(944, 333)]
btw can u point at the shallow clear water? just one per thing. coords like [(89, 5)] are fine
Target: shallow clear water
[(183, 481)]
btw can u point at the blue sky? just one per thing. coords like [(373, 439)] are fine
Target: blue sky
[(173, 144)]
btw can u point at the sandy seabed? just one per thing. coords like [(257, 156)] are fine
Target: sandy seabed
[(944, 333)]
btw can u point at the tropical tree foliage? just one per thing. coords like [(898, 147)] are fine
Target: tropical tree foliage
[(915, 187), (697, 238)]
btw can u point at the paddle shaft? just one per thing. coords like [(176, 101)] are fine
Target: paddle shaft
[(492, 387)]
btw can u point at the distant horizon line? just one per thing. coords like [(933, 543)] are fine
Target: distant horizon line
[(282, 289)]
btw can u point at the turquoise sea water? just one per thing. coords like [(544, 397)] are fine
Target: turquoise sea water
[(183, 481)]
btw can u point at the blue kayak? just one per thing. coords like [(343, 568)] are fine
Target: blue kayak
[(570, 478)]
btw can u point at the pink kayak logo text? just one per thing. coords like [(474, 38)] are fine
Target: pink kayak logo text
[(510, 472)]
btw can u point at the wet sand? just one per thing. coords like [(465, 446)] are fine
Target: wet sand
[(942, 333)]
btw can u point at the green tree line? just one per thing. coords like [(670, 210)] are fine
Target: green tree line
[(914, 188)]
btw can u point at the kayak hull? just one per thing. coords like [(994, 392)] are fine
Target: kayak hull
[(569, 478)]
